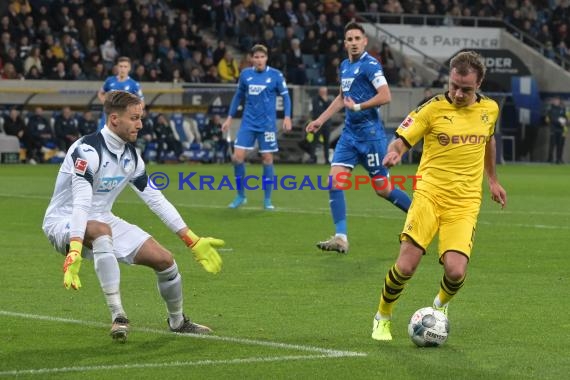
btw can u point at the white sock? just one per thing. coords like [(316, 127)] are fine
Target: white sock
[(380, 317), (342, 236), (170, 289), (437, 302), (108, 273)]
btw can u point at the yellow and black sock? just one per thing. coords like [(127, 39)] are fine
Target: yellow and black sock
[(448, 289), (394, 283)]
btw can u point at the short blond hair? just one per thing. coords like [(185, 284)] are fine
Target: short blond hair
[(118, 101), (258, 48)]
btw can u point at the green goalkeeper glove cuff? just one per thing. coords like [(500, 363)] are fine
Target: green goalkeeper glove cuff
[(71, 266)]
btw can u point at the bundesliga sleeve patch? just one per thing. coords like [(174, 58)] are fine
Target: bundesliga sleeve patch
[(407, 122), (80, 166)]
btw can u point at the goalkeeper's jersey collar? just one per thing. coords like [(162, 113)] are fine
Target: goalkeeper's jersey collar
[(115, 144)]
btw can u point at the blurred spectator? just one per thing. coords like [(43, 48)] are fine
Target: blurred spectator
[(408, 74), (226, 24), (320, 103), (75, 73), (212, 75), (60, 72), (219, 52), (213, 138), (87, 124), (310, 44), (556, 118), (249, 32), (88, 31), (165, 139), (33, 74), (14, 125), (228, 68), (13, 58), (146, 136), (331, 71), (109, 53), (33, 59), (49, 63), (440, 81), (386, 54), (305, 17), (195, 76), (296, 71), (245, 62), (391, 72), (40, 135), (168, 64), (9, 72), (65, 127), (375, 51), (178, 78), (194, 63), (131, 48), (140, 74), (98, 73), (278, 14), (290, 13)]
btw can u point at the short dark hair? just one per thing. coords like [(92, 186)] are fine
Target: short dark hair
[(467, 61), (353, 25), (119, 101), (258, 48)]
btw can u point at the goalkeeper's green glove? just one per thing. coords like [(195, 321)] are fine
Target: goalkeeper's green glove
[(71, 266), (204, 251)]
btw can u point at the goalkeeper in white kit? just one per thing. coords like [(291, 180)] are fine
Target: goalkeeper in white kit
[(80, 224)]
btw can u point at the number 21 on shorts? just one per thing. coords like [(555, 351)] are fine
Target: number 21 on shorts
[(373, 160)]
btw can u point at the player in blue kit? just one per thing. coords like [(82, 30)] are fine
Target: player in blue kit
[(363, 90), (259, 85), (122, 82)]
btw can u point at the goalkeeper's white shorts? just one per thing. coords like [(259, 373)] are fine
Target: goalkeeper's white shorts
[(127, 238)]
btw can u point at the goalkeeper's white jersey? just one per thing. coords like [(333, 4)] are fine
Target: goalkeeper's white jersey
[(95, 170)]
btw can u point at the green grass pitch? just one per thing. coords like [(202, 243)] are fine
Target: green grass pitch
[(282, 309)]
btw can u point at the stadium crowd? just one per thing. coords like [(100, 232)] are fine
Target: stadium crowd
[(171, 41), (80, 40)]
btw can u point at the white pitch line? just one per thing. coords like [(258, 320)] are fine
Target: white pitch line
[(43, 371), (325, 211), (325, 351)]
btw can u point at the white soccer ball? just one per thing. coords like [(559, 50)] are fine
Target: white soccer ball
[(428, 327)]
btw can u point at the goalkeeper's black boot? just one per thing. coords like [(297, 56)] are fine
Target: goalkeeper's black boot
[(189, 327), (120, 328)]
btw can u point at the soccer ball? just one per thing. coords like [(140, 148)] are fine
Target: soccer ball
[(428, 327)]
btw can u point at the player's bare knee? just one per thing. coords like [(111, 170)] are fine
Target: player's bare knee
[(163, 261), (95, 229), (382, 186), (454, 273)]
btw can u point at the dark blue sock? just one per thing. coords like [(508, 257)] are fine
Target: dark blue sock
[(239, 172), (400, 199), (338, 210), (268, 180)]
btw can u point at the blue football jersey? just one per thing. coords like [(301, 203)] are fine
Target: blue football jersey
[(130, 85), (260, 90), (359, 80)]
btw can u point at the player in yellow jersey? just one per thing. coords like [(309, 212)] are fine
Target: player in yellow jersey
[(459, 146)]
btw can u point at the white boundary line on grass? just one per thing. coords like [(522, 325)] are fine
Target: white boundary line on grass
[(325, 211), (321, 352), (43, 371)]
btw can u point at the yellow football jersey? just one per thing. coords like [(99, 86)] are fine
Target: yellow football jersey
[(452, 162)]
